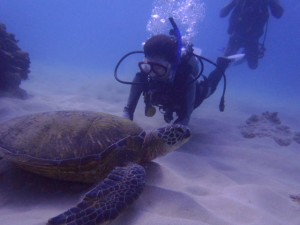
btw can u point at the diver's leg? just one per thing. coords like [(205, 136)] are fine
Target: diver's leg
[(252, 51), (234, 44), (107, 199), (134, 95), (215, 76)]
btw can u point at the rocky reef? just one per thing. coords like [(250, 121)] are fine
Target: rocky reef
[(269, 125), (14, 65)]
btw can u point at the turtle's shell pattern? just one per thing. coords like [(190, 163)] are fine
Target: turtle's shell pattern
[(61, 142)]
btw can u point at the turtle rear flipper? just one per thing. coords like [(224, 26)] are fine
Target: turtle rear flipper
[(106, 200)]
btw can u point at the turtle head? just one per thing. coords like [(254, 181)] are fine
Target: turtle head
[(163, 140)]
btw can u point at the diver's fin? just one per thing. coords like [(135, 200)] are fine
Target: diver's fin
[(197, 51), (236, 57)]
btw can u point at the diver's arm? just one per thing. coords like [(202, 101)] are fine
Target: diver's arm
[(226, 9), (275, 8), (134, 95)]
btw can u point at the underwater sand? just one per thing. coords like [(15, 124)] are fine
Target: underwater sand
[(218, 178)]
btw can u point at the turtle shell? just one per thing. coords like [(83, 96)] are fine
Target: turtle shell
[(67, 145)]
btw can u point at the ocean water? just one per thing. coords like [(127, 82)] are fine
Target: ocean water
[(75, 45)]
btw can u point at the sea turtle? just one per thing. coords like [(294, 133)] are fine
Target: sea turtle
[(91, 147)]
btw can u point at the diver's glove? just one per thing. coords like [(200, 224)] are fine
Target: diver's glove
[(150, 110)]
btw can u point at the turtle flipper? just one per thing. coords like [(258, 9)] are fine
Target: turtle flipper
[(105, 201)]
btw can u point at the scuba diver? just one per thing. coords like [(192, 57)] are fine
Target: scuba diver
[(247, 24), (168, 79)]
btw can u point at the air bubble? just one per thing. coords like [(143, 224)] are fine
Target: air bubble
[(186, 13)]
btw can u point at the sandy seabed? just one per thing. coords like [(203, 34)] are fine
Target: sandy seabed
[(240, 167)]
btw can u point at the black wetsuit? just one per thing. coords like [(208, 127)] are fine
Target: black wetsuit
[(246, 25), (181, 97)]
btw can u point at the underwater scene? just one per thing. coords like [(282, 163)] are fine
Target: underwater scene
[(139, 112)]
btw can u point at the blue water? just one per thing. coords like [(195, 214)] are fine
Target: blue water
[(74, 46), (92, 35)]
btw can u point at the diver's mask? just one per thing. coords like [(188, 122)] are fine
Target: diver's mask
[(156, 70)]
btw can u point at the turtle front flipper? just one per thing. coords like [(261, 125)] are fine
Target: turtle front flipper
[(106, 200)]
